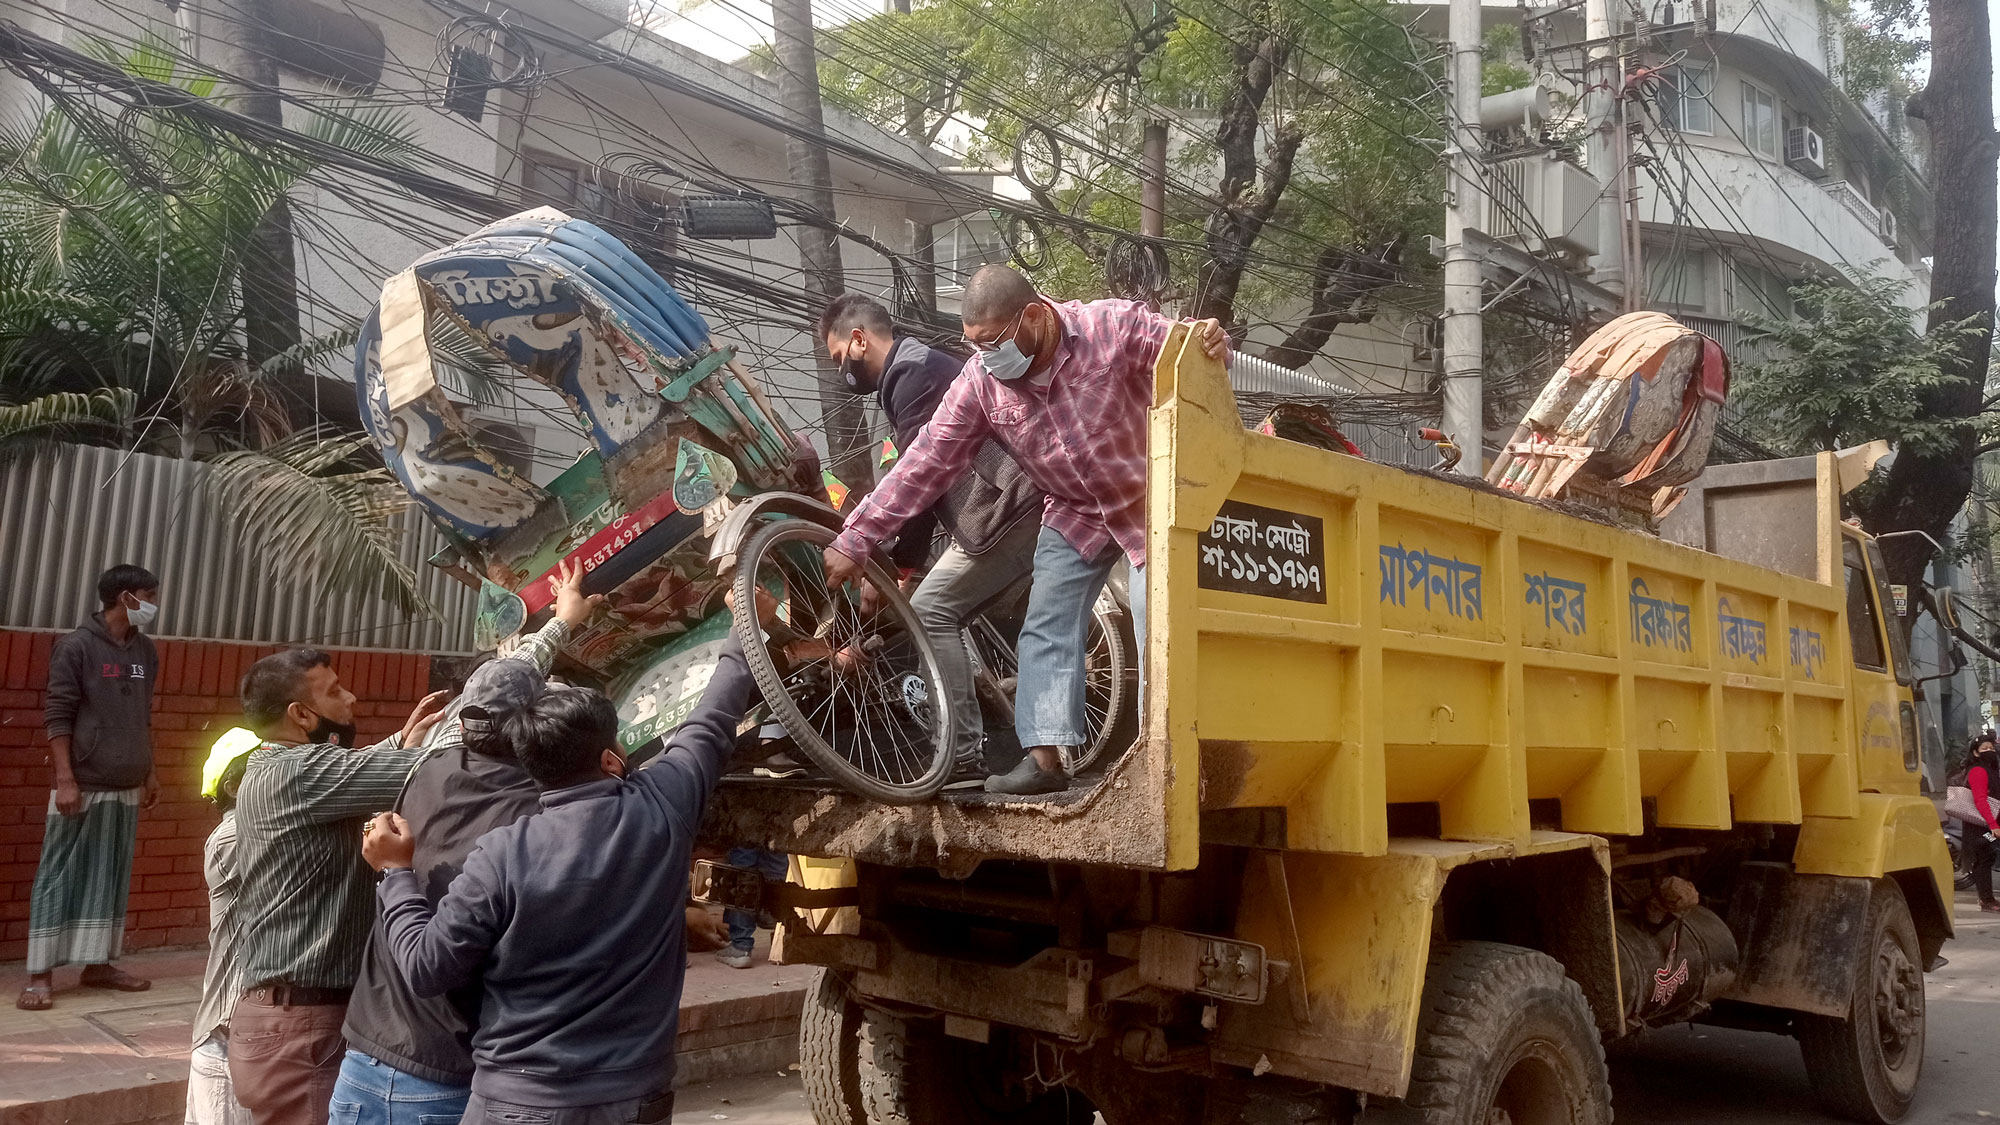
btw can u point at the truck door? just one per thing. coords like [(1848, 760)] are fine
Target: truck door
[(1882, 708)]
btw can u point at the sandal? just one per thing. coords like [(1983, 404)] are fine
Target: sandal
[(35, 998), (113, 978)]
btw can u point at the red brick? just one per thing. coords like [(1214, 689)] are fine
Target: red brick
[(171, 883), (146, 901), (186, 863), (153, 865), (21, 833), (15, 659), (179, 845), (173, 665), (145, 939), (187, 935), (21, 717), (11, 776), (21, 699), (155, 829), (18, 736), (15, 909), (38, 659)]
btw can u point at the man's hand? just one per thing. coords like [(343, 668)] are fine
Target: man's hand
[(572, 607), (428, 711), (69, 796), (152, 796), (705, 931), (388, 842), (767, 606), (1213, 339), (840, 570)]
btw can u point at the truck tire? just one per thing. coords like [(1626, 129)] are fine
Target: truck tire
[(1505, 1038), (912, 1074), (1865, 1064), (829, 1066)]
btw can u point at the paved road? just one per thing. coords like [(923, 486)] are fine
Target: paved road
[(1679, 1076)]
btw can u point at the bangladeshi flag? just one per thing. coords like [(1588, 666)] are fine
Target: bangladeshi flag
[(836, 492)]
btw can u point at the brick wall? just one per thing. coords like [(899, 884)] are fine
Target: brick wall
[(193, 703)]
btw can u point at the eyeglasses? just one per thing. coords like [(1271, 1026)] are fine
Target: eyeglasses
[(986, 346)]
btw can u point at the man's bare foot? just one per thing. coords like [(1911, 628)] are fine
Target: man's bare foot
[(113, 978), (35, 997)]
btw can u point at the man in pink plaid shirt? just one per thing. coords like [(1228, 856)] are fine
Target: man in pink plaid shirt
[(1065, 388)]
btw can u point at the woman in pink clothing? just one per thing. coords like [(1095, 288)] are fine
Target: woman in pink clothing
[(1983, 778)]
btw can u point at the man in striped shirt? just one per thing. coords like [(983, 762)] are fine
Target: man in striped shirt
[(305, 900), (1065, 388)]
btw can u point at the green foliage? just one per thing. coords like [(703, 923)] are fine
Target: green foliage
[(1852, 369), (26, 428), (122, 242), (313, 499), (1354, 85), (1881, 45), (1502, 69)]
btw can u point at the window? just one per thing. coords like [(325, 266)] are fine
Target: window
[(1760, 122), (1862, 628), (1677, 277), (1758, 290), (335, 47), (1899, 648), (636, 213), (1683, 99)]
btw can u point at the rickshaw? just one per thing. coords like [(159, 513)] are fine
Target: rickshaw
[(693, 485)]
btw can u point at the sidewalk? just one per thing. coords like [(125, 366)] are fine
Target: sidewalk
[(120, 1058)]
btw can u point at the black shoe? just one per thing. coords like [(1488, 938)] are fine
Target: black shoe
[(1028, 779)]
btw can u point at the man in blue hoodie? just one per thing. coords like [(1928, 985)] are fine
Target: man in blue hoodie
[(572, 920)]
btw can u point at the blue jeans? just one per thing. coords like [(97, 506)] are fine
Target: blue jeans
[(1048, 702), (371, 1092), (769, 864)]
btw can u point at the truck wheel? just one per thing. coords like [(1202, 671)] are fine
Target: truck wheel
[(1865, 1064), (1505, 1039), (912, 1074), (828, 1062)]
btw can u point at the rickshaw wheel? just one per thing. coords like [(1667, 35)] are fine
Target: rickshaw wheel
[(861, 696)]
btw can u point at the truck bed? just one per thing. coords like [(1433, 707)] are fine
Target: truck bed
[(1335, 643)]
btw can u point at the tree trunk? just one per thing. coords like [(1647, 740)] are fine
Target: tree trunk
[(270, 270), (1926, 488), (1244, 204), (811, 171)]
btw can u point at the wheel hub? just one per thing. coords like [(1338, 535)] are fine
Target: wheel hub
[(1899, 1000), (916, 697)]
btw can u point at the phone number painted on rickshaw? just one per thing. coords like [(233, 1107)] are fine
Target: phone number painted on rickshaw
[(601, 547)]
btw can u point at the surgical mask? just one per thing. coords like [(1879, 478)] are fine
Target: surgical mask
[(1006, 362), (142, 613)]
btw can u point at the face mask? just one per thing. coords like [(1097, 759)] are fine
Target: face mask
[(1007, 362), (327, 732), (142, 613)]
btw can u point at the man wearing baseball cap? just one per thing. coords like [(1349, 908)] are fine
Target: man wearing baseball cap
[(409, 1057)]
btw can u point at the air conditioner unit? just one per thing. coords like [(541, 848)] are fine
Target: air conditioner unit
[(1889, 233), (1805, 151)]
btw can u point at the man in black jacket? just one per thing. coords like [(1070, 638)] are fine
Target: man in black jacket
[(572, 920), (993, 514), (408, 1056)]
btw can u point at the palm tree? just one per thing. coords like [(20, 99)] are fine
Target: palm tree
[(123, 242)]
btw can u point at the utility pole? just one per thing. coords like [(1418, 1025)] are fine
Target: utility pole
[(270, 279), (1464, 293), (1153, 182), (1602, 146), (923, 236), (811, 171)]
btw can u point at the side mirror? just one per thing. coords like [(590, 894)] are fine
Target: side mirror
[(1945, 599)]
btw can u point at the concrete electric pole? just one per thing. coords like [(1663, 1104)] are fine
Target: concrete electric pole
[(1464, 295), (1602, 144)]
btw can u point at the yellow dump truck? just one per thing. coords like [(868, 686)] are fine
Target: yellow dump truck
[(1438, 790)]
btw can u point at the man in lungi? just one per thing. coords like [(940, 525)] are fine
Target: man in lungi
[(98, 717)]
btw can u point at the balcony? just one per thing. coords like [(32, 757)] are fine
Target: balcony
[(1772, 209)]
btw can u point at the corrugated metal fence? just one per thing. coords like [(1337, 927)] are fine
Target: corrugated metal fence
[(65, 517)]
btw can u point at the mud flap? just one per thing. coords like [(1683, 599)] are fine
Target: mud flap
[(1801, 937)]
